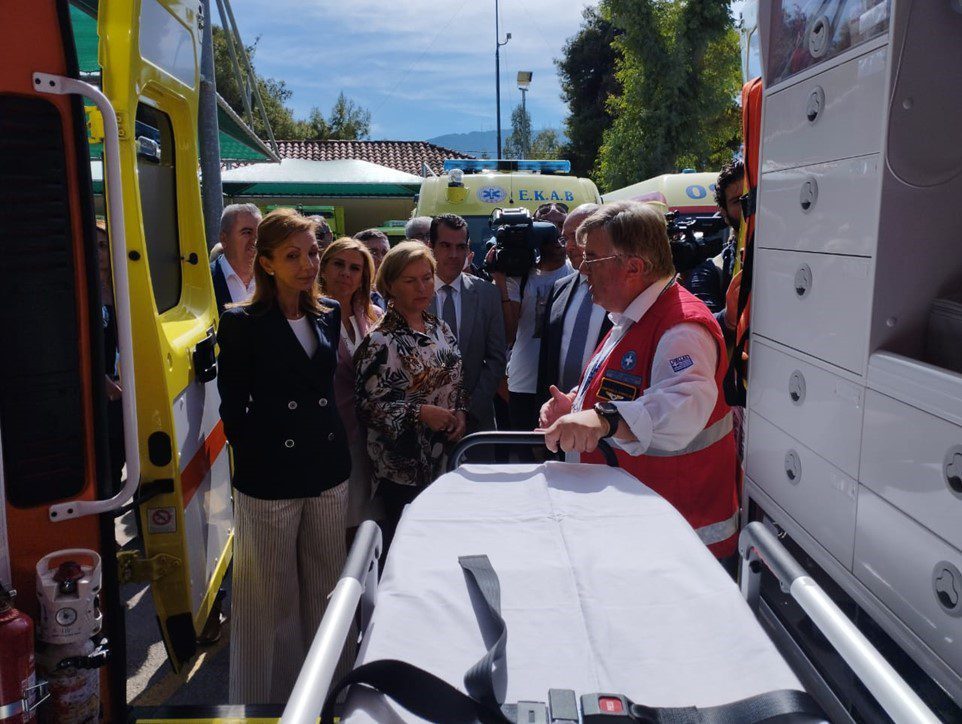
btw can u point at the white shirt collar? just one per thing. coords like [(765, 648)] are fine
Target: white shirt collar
[(228, 269), (641, 304), (456, 284)]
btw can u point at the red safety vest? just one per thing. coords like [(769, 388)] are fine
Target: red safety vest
[(700, 479)]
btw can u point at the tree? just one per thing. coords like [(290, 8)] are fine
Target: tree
[(678, 66), (546, 145), (519, 141), (587, 76), (347, 120)]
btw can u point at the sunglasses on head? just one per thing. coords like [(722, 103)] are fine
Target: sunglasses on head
[(553, 206)]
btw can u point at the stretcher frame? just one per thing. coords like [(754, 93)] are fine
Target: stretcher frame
[(758, 549)]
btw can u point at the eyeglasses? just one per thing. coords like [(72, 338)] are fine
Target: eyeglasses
[(553, 206), (585, 261)]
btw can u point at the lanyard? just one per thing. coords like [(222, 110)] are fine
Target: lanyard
[(602, 356)]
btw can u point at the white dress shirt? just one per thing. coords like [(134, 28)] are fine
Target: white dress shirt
[(594, 324), (440, 297), (676, 405), (239, 292)]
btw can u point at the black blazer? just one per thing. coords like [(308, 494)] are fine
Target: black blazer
[(221, 290), (549, 358), (278, 405)]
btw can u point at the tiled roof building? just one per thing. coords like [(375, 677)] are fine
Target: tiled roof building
[(404, 156)]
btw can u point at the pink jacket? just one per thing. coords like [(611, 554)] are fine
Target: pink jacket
[(344, 376)]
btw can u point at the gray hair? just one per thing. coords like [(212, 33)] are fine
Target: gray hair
[(417, 227), (232, 211)]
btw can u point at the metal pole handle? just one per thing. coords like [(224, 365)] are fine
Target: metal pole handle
[(517, 439)]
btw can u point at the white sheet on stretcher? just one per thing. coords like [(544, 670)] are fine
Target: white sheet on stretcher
[(604, 588)]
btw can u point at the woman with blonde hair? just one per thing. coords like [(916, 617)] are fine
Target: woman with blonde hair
[(278, 354), (347, 275), (408, 390)]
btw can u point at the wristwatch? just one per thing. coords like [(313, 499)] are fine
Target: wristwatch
[(608, 412)]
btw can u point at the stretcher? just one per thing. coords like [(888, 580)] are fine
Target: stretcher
[(604, 587)]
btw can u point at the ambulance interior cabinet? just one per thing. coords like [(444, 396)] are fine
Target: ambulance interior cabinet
[(854, 419)]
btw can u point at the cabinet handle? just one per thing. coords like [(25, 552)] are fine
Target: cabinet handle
[(793, 466), (808, 195), (803, 280), (820, 36), (815, 105), (947, 585), (952, 468), (796, 387)]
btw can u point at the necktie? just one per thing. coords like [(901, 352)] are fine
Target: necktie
[(571, 372), (448, 313)]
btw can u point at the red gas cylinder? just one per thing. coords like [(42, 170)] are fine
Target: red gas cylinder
[(17, 677)]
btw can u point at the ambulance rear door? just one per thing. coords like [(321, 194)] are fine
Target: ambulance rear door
[(150, 54)]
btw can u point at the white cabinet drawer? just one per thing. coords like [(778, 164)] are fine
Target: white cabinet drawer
[(828, 207), (836, 114), (819, 496), (913, 572), (816, 303), (914, 461), (821, 410)]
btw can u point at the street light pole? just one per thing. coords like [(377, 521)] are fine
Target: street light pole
[(524, 83), (497, 68)]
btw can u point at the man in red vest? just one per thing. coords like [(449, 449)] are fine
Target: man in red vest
[(654, 386)]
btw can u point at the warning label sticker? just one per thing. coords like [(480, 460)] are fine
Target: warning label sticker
[(161, 520)]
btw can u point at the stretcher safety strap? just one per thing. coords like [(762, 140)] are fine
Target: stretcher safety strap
[(435, 700), (706, 438)]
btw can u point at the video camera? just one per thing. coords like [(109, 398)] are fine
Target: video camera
[(688, 227), (518, 241)]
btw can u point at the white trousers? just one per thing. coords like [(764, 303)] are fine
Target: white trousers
[(288, 555)]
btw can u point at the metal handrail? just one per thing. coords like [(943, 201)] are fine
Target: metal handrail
[(758, 545), (357, 577), (61, 85), (517, 439)]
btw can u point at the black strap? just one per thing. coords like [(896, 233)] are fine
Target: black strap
[(479, 679), (435, 700)]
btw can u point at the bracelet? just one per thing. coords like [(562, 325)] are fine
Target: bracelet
[(505, 300)]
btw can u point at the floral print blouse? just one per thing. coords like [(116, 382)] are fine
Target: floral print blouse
[(397, 370)]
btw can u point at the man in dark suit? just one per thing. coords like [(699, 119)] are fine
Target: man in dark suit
[(472, 309), (573, 324), (233, 271)]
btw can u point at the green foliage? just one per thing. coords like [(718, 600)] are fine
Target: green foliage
[(347, 120), (546, 145), (516, 145), (587, 75), (678, 65)]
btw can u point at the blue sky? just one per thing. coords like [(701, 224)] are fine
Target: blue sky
[(422, 67)]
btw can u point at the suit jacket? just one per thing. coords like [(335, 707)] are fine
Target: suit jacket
[(278, 404), (221, 290), (549, 358), (484, 351)]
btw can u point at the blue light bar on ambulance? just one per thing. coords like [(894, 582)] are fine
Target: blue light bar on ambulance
[(477, 165)]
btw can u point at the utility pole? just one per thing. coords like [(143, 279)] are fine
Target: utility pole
[(212, 197), (497, 68), (524, 83)]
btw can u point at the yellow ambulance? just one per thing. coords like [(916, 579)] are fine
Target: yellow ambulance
[(474, 188)]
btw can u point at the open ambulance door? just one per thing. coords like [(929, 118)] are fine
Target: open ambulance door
[(53, 429), (150, 54)]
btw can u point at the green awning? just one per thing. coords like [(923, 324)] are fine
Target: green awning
[(237, 141), (295, 177)]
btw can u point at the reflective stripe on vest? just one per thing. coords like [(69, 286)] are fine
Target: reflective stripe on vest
[(720, 531), (706, 438)]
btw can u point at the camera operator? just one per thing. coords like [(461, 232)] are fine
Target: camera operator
[(524, 298)]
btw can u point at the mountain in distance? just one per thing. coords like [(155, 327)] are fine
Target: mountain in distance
[(476, 143)]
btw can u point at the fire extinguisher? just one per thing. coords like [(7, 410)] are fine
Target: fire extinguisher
[(68, 656), (19, 693)]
